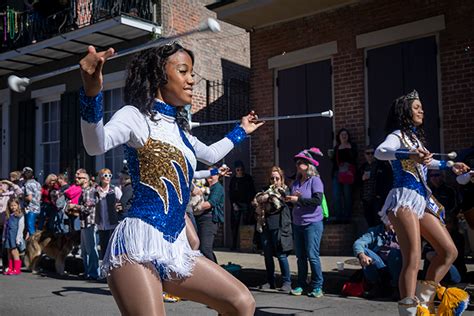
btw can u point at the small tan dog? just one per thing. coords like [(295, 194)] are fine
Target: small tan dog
[(200, 194), (268, 202), (55, 246)]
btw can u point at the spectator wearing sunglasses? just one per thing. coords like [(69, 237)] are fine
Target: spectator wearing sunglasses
[(376, 179), (106, 213)]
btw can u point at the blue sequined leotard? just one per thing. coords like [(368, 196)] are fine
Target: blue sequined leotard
[(410, 188), (162, 159)]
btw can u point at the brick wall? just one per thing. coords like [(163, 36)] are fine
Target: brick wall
[(343, 25), (337, 240), (218, 56), (456, 56)]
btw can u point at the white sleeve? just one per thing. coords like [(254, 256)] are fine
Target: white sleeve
[(118, 193), (213, 153), (464, 178), (21, 228), (127, 126), (386, 150), (202, 174)]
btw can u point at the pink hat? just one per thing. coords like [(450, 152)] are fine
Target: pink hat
[(316, 151), (306, 155)]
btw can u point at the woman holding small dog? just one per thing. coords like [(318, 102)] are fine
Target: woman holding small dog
[(307, 195), (276, 233), (13, 235)]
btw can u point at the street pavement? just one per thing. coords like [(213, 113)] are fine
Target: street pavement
[(49, 294)]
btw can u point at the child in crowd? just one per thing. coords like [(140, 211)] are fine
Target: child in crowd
[(13, 235)]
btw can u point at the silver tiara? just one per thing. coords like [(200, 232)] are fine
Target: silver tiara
[(413, 95)]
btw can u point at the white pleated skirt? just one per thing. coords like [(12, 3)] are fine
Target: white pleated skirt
[(135, 241), (403, 197)]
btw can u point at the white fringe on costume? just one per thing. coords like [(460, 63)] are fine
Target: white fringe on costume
[(139, 242), (403, 197)]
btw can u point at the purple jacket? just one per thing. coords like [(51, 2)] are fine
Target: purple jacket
[(305, 215)]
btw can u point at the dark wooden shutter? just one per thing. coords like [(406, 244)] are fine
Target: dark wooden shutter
[(302, 90), (395, 70), (385, 83), (73, 154), (320, 130), (292, 134), (26, 134)]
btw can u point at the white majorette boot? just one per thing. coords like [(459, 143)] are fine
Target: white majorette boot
[(407, 306), (425, 292)]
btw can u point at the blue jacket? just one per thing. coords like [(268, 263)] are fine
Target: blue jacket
[(374, 239)]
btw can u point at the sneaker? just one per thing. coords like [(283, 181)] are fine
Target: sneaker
[(167, 298), (296, 291), (286, 287), (316, 293), (267, 286)]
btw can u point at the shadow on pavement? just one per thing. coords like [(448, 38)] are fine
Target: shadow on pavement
[(274, 311), (333, 281), (89, 290)]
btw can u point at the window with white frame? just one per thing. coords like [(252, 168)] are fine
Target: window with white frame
[(50, 140), (113, 159)]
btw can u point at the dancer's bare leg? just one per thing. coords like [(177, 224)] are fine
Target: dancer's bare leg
[(212, 285), (137, 290), (407, 228), (191, 233), (438, 237)]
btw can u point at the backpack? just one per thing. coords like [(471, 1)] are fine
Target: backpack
[(324, 206)]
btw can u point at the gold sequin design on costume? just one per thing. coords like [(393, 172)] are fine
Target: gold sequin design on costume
[(155, 159), (409, 165)]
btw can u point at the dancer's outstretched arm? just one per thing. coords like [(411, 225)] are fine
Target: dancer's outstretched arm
[(386, 150), (223, 171), (124, 125), (390, 149), (215, 152)]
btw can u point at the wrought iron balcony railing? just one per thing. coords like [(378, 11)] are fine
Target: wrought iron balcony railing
[(45, 19)]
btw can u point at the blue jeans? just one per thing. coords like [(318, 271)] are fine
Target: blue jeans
[(31, 222), (307, 242), (90, 256), (270, 249), (342, 192), (393, 264)]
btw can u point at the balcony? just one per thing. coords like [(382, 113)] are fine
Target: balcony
[(41, 35)]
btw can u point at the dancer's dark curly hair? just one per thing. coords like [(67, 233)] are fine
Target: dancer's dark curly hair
[(146, 73), (400, 117)]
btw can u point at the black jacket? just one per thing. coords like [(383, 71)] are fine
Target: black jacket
[(126, 200)]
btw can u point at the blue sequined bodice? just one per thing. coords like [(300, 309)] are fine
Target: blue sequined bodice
[(161, 177), (406, 175)]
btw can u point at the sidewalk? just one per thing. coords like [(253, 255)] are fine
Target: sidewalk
[(256, 261), (328, 263), (253, 269)]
